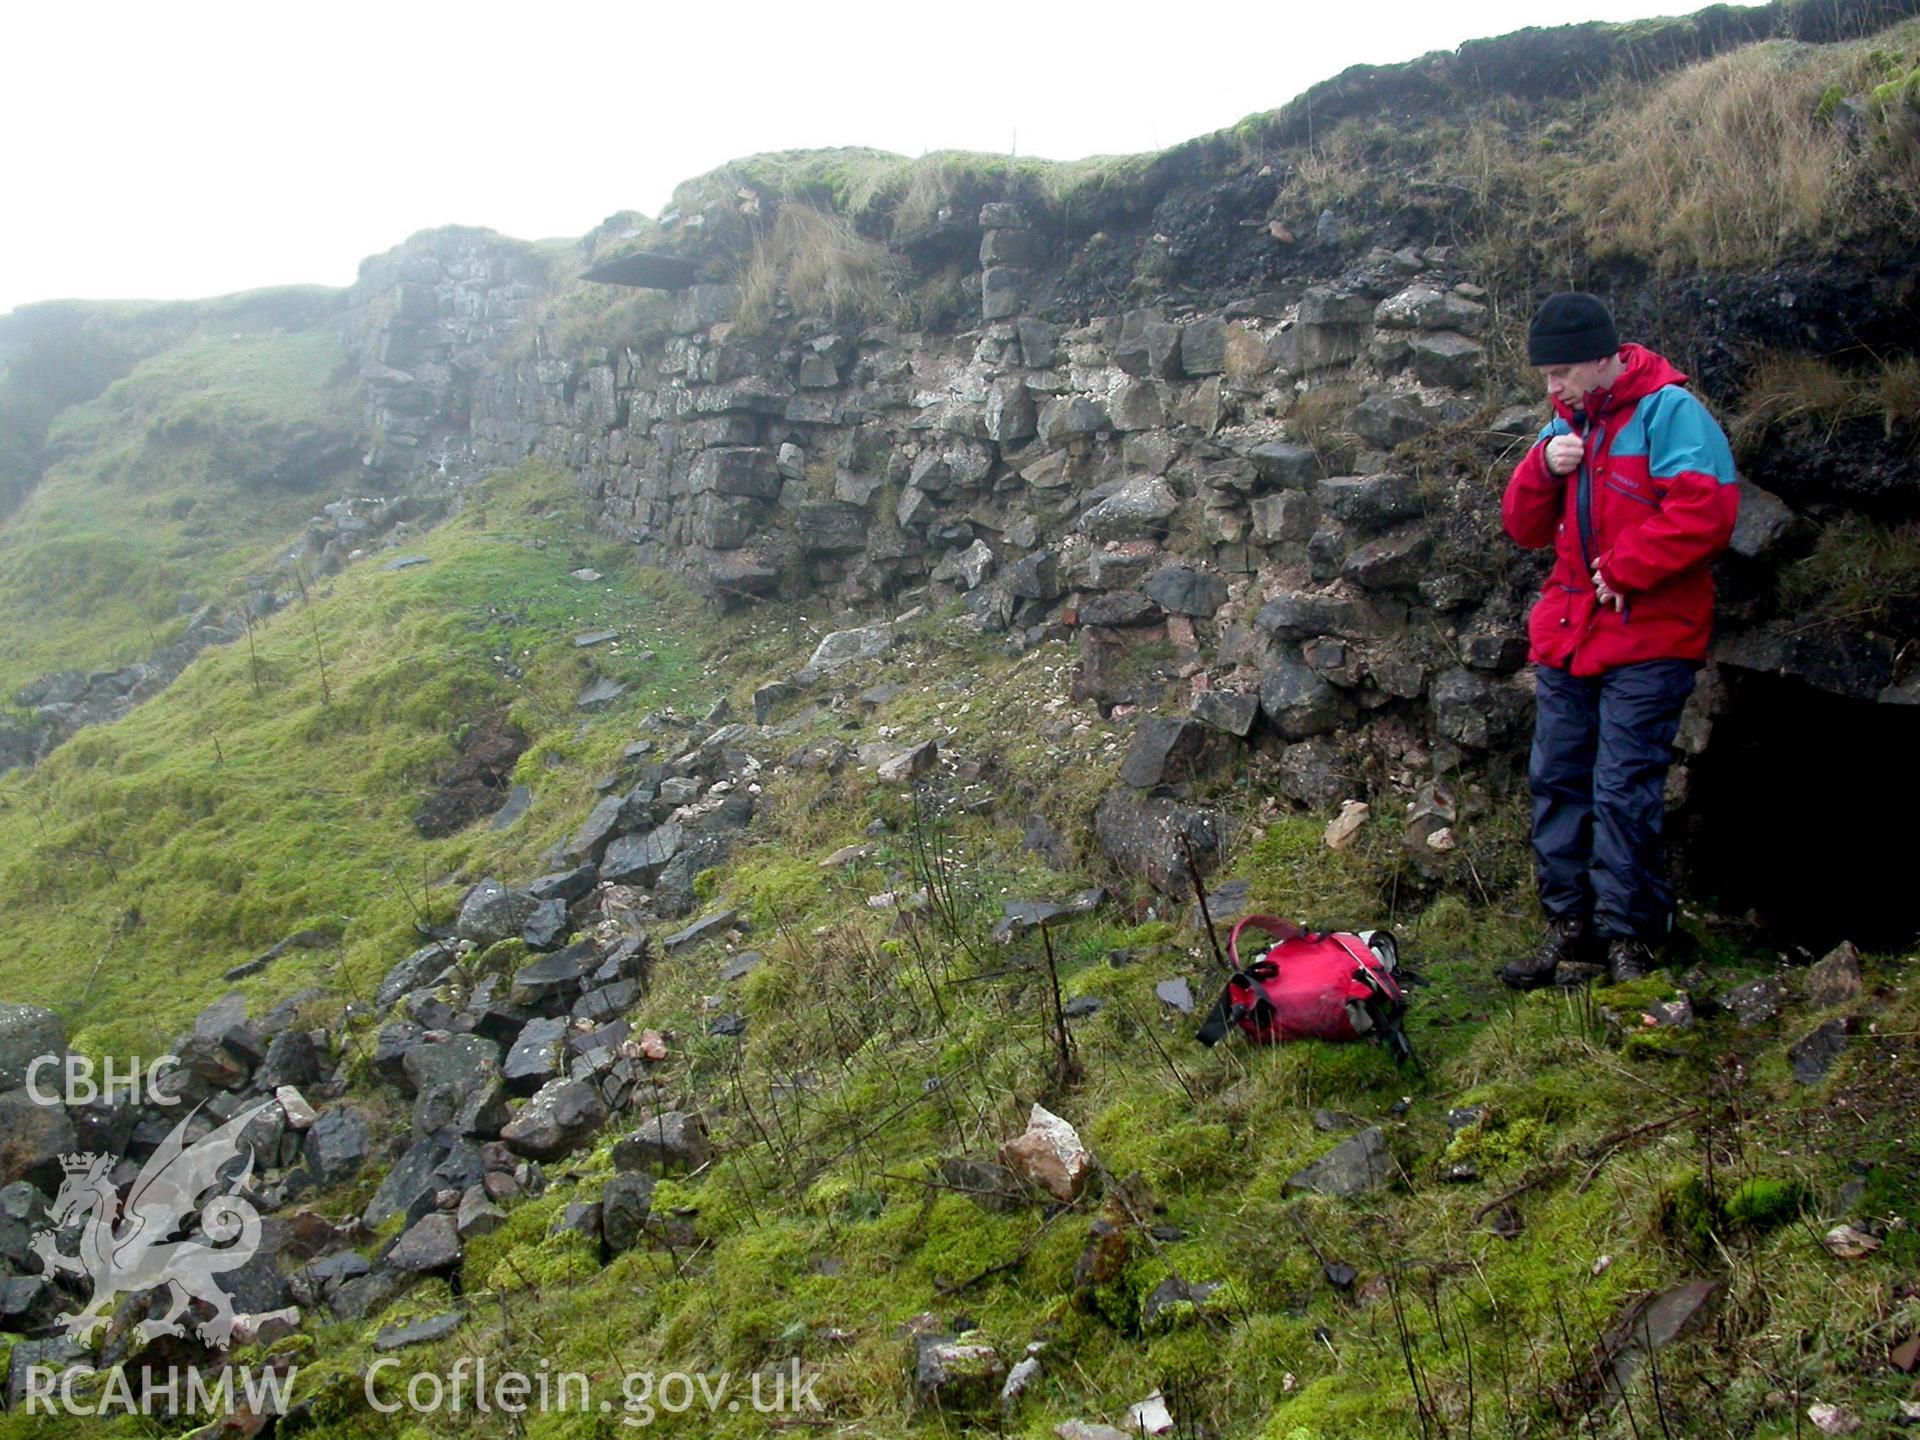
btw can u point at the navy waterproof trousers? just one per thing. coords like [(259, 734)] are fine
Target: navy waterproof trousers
[(1601, 748)]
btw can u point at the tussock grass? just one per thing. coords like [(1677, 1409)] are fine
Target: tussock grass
[(1801, 390), (903, 199), (572, 317), (1741, 160), (1860, 570), (592, 316), (1899, 393), (1725, 164), (1737, 161), (820, 265), (1810, 393), (1318, 421)]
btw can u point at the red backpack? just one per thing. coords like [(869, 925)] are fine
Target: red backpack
[(1306, 986)]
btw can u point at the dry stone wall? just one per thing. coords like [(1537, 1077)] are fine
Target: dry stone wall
[(1173, 489), (1240, 514), (425, 321)]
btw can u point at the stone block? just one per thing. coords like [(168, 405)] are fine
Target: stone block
[(1011, 415), (1298, 701), (746, 470), (1447, 358), (1394, 561), (1289, 516), (1325, 305), (1387, 420), (1369, 502), (1071, 417), (1002, 292), (1019, 248), (1135, 405), (1130, 351), (1203, 347)]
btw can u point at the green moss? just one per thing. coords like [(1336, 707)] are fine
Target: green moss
[(1634, 996), (423, 1301), (1902, 91), (670, 1194), (524, 1253), (503, 957), (962, 1239), (1294, 874), (1226, 1302), (1120, 1300), (1336, 1406), (1350, 1071), (1663, 1045), (769, 986), (1500, 1147), (1761, 1204)]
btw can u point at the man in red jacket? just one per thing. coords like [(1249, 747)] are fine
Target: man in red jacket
[(1632, 484)]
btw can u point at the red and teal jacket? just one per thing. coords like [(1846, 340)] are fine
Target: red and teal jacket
[(1653, 501)]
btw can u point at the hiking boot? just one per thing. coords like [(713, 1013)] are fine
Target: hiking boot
[(1566, 944), (1629, 959)]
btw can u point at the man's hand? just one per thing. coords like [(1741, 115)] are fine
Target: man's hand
[(1606, 594), (1564, 452)]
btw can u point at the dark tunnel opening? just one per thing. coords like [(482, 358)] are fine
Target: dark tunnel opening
[(1800, 812)]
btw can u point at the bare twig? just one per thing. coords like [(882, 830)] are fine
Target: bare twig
[(1146, 1028), (1404, 1335), (1066, 1068), (1603, 1150), (1200, 894), (1534, 1182), (253, 653)]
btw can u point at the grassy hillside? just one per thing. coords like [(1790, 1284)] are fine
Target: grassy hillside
[(144, 858), (1606, 1161), (198, 467)]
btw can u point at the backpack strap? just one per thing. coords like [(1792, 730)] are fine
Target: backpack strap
[(1272, 924), (1226, 1012), (1386, 1003), (1367, 969), (1214, 1028)]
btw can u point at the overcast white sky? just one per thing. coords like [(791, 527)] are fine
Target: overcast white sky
[(193, 149)]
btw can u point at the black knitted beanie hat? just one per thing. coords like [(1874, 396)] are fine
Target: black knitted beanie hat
[(1569, 329)]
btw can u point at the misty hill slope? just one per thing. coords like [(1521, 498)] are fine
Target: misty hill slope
[(200, 465), (273, 788)]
